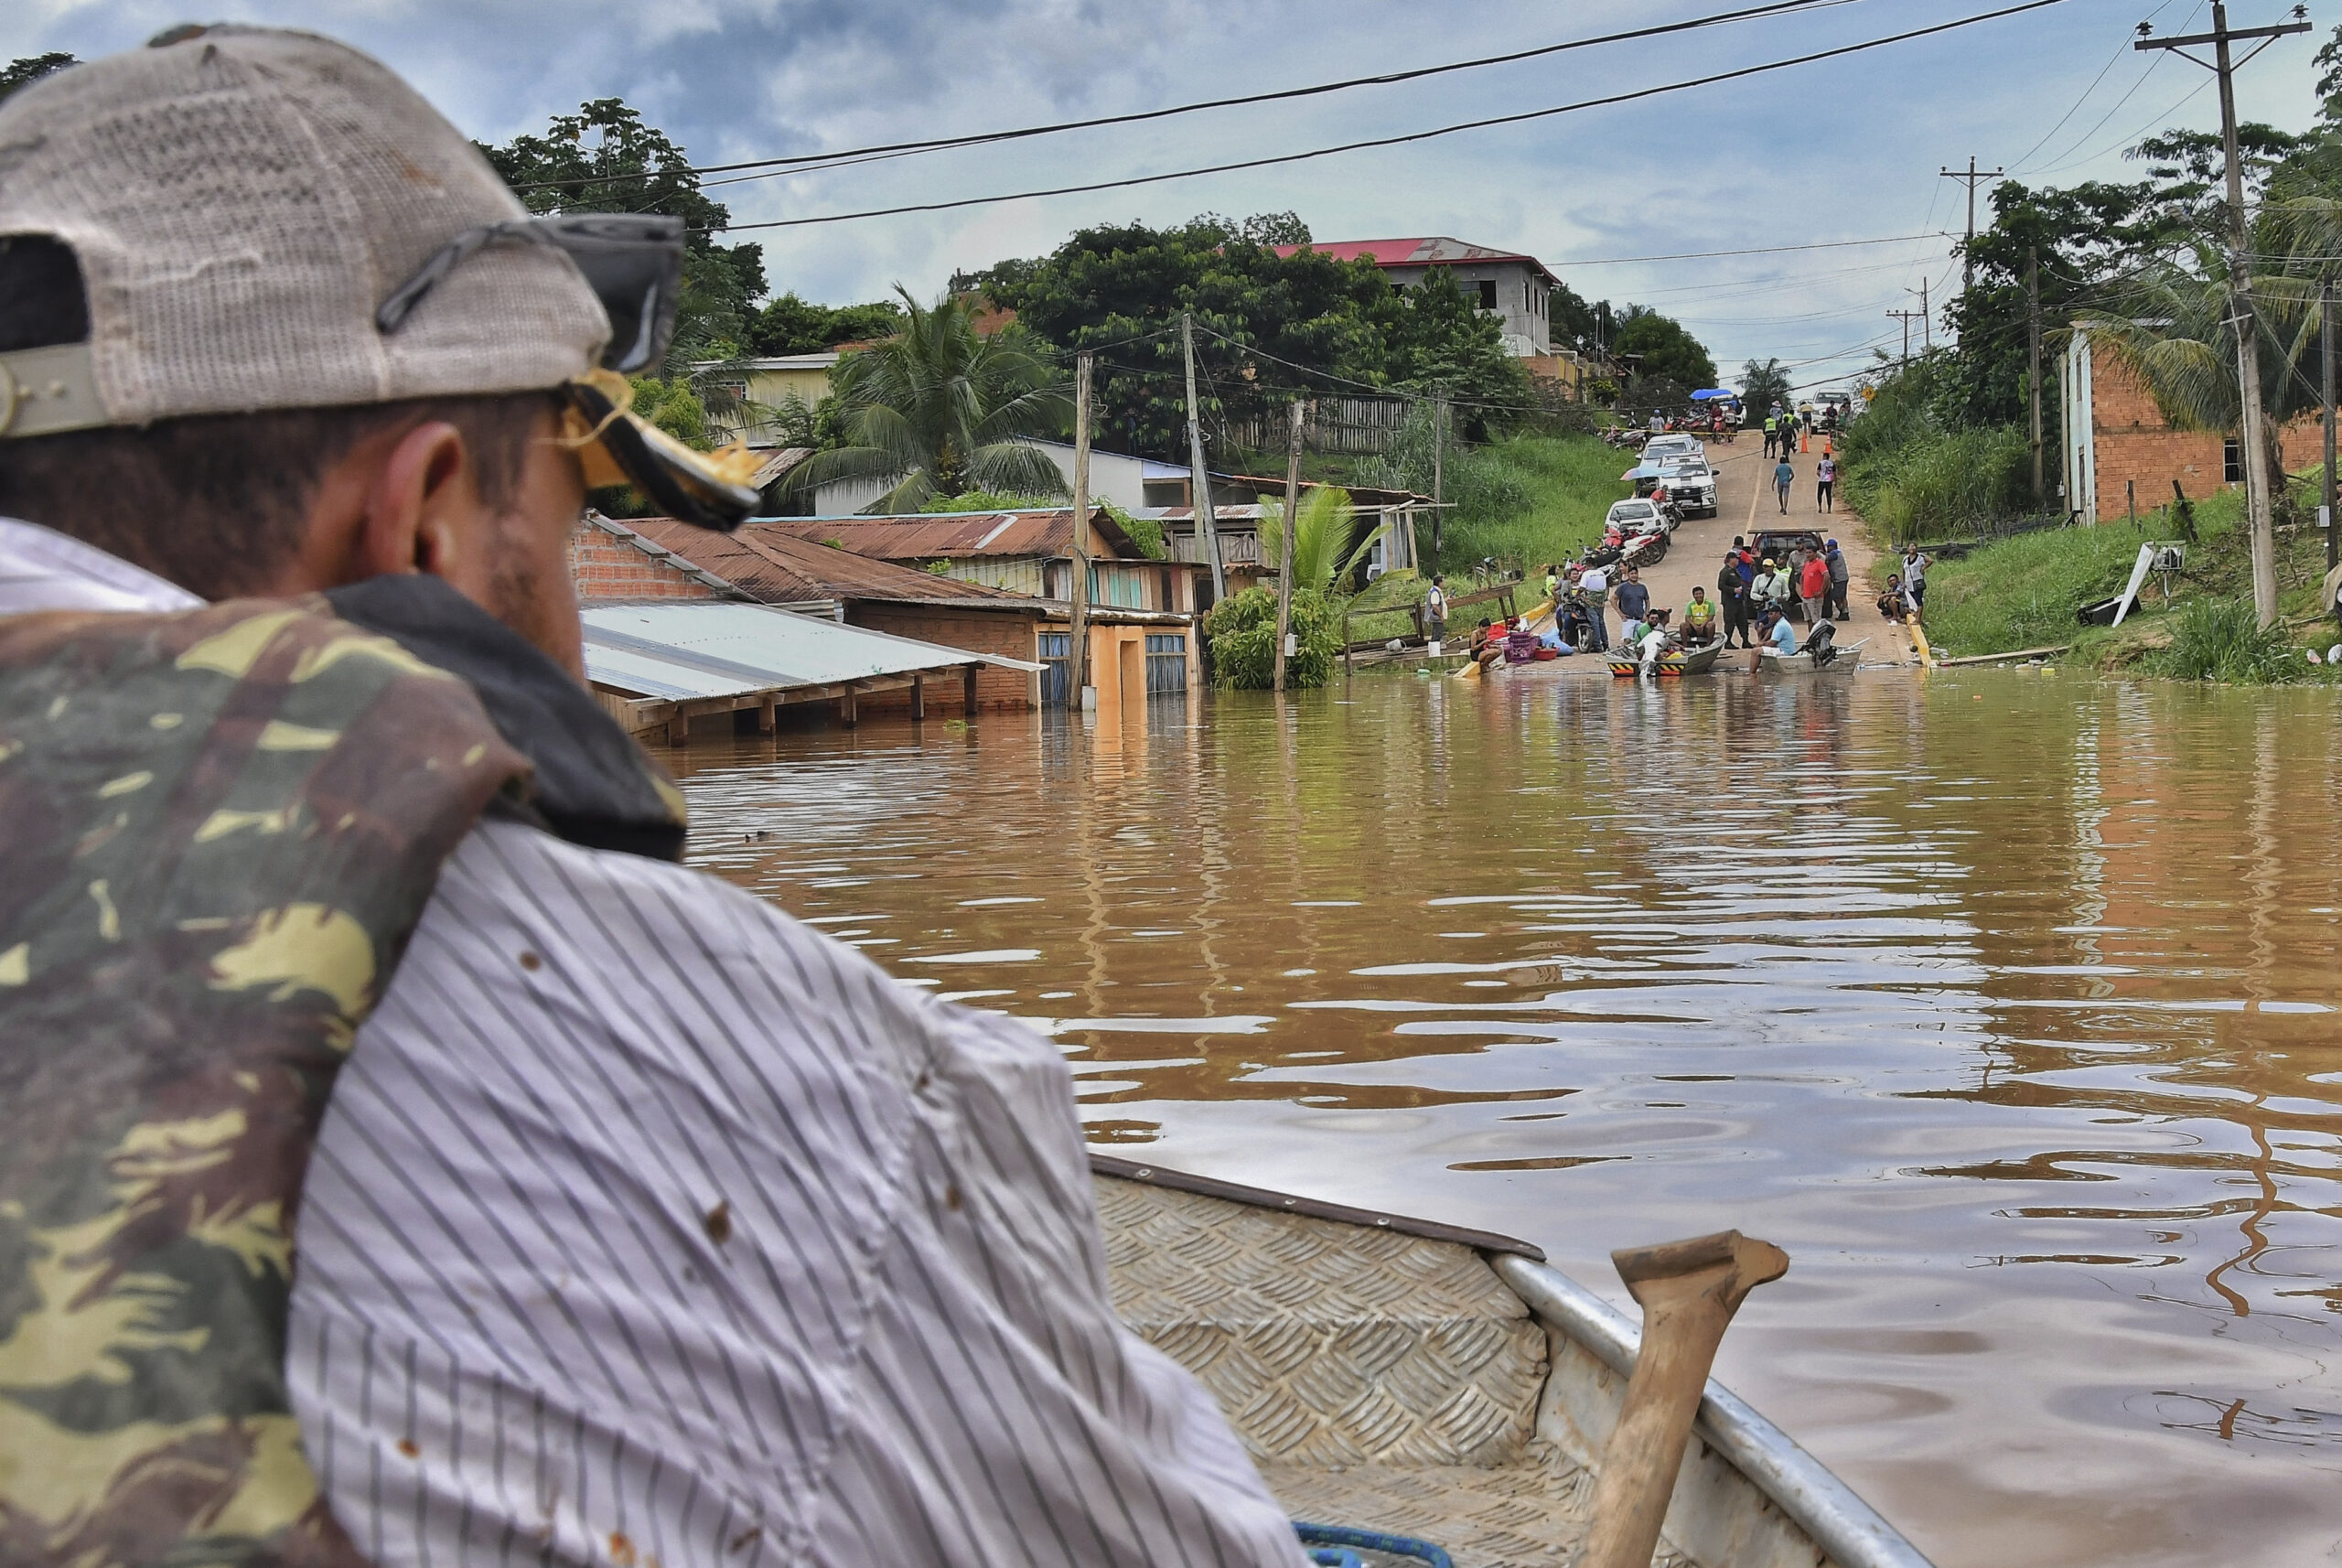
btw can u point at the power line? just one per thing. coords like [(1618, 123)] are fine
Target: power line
[(1407, 137), (816, 162), (1759, 250)]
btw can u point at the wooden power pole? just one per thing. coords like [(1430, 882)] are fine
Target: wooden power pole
[(1199, 481), (1076, 652), (2243, 318), (1905, 317), (2033, 347), (2325, 367), (1284, 545), (1438, 470), (1973, 177)]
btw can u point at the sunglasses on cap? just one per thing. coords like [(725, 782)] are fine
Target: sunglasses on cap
[(634, 265)]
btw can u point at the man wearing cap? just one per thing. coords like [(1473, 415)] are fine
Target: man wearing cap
[(635, 1221)]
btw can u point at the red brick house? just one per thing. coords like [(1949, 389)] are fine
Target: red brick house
[(2120, 451)]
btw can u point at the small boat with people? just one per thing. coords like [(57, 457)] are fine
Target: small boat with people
[(1681, 661), (1830, 658), (1419, 1393)]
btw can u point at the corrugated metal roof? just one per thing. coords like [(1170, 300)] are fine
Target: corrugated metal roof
[(779, 568), (935, 536), (681, 652)]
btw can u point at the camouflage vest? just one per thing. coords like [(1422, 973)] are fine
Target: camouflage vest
[(217, 831)]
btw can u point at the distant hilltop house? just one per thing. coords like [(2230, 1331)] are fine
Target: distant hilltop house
[(1510, 284)]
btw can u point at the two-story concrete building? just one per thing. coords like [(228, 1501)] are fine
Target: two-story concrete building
[(1515, 287)]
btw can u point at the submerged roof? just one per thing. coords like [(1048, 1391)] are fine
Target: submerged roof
[(956, 535), (776, 567), (681, 651)]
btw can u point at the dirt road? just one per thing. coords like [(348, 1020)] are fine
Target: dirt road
[(1744, 503)]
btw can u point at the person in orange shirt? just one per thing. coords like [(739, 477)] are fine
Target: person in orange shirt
[(1813, 587)]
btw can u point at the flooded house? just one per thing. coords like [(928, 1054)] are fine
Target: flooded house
[(1141, 610)]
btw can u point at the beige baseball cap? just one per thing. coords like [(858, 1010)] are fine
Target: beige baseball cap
[(255, 218)]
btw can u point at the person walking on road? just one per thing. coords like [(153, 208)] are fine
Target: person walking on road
[(1839, 573), (1772, 433), (1784, 475), (1813, 587), (1825, 483)]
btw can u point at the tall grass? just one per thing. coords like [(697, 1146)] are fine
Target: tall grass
[(1525, 498), (2023, 592), (1912, 480), (2222, 640)]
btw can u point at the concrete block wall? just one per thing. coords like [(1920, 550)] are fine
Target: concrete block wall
[(1007, 633)]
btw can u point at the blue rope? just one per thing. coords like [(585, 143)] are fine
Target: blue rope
[(1340, 1536)]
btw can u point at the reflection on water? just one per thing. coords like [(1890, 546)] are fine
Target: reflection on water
[(2006, 1003)]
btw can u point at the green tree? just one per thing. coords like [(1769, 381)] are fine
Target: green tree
[(1444, 339), (789, 324), (24, 73), (938, 410), (1122, 289), (1762, 386), (607, 158), (1242, 632), (1665, 346)]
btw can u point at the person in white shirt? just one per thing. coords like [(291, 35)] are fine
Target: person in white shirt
[(1596, 583), (643, 1224)]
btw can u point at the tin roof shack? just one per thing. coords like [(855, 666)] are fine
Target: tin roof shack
[(1150, 603), (1236, 518), (775, 568), (659, 667)]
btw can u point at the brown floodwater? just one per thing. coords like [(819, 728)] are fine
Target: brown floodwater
[(2005, 1002)]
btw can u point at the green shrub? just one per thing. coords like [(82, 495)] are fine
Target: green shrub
[(2220, 639), (1241, 634)]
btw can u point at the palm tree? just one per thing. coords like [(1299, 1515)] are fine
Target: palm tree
[(938, 410), (2176, 330), (1322, 554)]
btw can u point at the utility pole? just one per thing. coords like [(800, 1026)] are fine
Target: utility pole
[(1927, 329), (1077, 648), (1905, 317), (2243, 318), (1438, 468), (2033, 347), (1970, 179), (1284, 545), (1199, 481), (2325, 365)]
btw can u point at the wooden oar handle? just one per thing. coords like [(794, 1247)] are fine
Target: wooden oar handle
[(1689, 1291)]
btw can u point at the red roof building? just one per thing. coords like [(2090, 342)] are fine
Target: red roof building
[(1508, 283)]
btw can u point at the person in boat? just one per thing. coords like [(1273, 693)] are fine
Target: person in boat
[(1654, 642), (422, 1156), (1779, 634), (1699, 618)]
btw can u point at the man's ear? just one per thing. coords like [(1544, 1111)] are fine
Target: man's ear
[(418, 505)]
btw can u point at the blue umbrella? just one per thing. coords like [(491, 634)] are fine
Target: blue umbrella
[(1705, 394)]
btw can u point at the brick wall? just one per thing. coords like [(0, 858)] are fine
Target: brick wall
[(1011, 633), (2136, 447), (608, 570)]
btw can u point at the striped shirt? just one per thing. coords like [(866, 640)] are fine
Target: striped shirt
[(647, 1228)]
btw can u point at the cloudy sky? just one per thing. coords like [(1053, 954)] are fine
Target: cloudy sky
[(1837, 150)]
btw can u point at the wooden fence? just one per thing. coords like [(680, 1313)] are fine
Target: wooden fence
[(1356, 426)]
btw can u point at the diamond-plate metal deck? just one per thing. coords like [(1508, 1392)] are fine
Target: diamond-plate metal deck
[(1381, 1380), (1327, 1344)]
